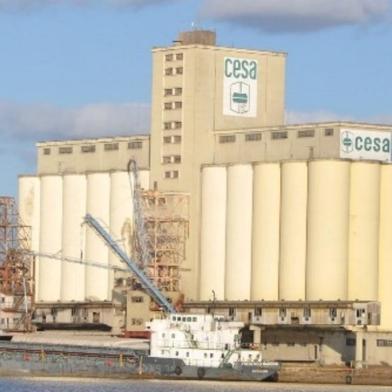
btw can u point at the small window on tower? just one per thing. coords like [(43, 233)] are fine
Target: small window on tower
[(178, 91), (46, 151), (88, 148), (177, 105), (168, 106), (169, 57), (169, 71), (179, 70), (177, 125), (179, 56), (328, 132), (110, 146), (65, 150), (168, 91)]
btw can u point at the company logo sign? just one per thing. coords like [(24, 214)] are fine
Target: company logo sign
[(240, 87), (366, 145)]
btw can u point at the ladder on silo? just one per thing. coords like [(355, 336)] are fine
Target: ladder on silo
[(148, 285)]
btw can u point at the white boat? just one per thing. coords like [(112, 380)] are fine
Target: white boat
[(205, 346)]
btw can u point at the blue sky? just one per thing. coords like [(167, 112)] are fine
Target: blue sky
[(82, 68)]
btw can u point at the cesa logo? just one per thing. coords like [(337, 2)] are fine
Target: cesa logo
[(351, 142), (240, 68)]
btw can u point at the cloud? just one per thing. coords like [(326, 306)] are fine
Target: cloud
[(284, 16), (37, 122), (28, 5)]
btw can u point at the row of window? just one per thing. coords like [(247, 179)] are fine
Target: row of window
[(278, 135), (172, 125), (91, 148), (174, 139), (171, 174), (172, 71), (175, 91), (166, 159), (172, 105), (172, 57)]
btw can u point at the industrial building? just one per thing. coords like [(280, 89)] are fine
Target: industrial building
[(263, 213)]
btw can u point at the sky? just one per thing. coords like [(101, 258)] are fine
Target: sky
[(82, 68)]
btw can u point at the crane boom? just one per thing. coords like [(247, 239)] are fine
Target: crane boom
[(149, 286)]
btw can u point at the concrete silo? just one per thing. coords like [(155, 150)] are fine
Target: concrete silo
[(328, 225), (121, 216), (213, 232), (385, 249), (292, 266), (51, 219), (73, 237), (239, 232), (364, 231), (98, 205), (29, 212), (266, 232)]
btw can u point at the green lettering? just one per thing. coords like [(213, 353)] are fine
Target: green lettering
[(386, 145), (377, 144), (253, 70), (368, 144), (228, 63), (358, 143), (237, 69)]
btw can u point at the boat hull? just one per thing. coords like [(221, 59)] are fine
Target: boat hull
[(77, 361)]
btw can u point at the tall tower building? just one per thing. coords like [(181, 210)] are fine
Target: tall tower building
[(200, 90)]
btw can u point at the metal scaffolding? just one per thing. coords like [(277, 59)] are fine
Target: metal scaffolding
[(15, 268), (166, 226)]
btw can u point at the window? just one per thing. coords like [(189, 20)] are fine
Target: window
[(258, 312), (176, 139), (137, 300), (166, 159), (231, 312), (167, 139), (175, 174), (179, 70), (135, 145), (333, 312), (177, 105), (167, 105), (88, 148), (328, 132), (351, 342), (65, 150), (189, 319), (179, 56), (169, 57), (306, 133), (384, 343), (110, 146), (167, 174), (282, 312), (307, 313), (176, 158), (252, 137), (168, 91), (167, 125), (194, 319), (169, 71), (178, 91), (279, 135), (46, 151), (177, 124), (227, 139)]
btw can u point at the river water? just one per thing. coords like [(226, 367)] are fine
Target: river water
[(85, 385)]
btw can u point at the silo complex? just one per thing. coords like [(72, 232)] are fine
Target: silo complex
[(292, 266), (51, 218), (213, 233), (385, 250), (328, 218), (73, 237), (266, 227), (239, 232), (364, 231), (98, 205)]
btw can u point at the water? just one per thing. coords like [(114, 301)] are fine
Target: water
[(85, 385)]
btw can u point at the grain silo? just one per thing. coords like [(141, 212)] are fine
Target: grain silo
[(213, 232), (266, 231), (51, 225), (98, 205), (239, 232), (364, 231), (328, 218), (73, 237), (292, 267)]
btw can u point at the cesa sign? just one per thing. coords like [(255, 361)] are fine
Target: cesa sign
[(366, 145), (240, 87)]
